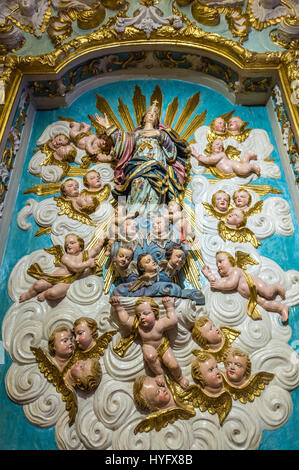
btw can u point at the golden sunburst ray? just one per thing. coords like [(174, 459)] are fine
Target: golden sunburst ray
[(108, 279), (192, 271), (187, 111), (104, 107), (196, 122), (139, 104), (171, 112), (157, 95), (123, 111)]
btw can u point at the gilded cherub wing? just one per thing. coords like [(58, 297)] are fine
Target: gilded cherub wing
[(161, 419), (220, 404), (57, 252), (54, 376), (232, 153), (242, 259), (143, 281), (255, 209), (103, 341), (237, 235), (252, 389), (66, 208), (212, 211)]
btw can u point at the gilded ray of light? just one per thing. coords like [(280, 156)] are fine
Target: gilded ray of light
[(196, 122), (44, 189), (188, 194), (158, 96), (123, 111), (190, 216), (77, 171), (192, 271), (108, 279), (104, 107), (187, 111), (171, 112), (139, 104), (261, 190)]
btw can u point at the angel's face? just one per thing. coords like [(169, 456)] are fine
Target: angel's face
[(241, 199), (222, 201), (217, 146), (123, 257), (211, 333), (63, 344), (93, 179), (177, 258), (59, 140), (71, 188), (72, 244), (219, 125), (156, 395), (84, 201), (83, 336), (81, 369), (235, 124), (235, 217), (145, 314), (148, 264), (235, 368), (211, 374), (131, 228), (223, 264), (159, 225)]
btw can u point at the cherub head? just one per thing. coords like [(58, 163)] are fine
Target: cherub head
[(105, 143), (174, 208), (175, 255), (146, 264), (73, 244), (204, 370), (160, 226), (85, 332), (60, 343), (147, 311), (123, 257), (237, 366), (206, 334), (235, 124), (59, 140), (92, 180), (224, 261), (236, 218), (131, 228), (150, 395), (221, 201), (242, 198), (87, 204), (69, 188), (218, 125), (86, 374), (217, 146)]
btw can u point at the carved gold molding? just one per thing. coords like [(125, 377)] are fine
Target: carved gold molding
[(282, 66)]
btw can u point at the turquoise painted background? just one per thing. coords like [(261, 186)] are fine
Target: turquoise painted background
[(15, 431)]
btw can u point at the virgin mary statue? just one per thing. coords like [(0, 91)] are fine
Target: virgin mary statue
[(153, 162)]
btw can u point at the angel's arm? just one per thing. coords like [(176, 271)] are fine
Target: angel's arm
[(102, 121), (171, 318), (227, 283), (95, 250), (103, 158), (124, 317), (207, 272)]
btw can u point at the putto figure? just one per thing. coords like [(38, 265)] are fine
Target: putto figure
[(152, 331), (72, 263), (226, 166), (234, 278)]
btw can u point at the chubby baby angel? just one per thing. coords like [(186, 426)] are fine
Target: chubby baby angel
[(219, 159), (73, 263), (233, 279), (152, 332)]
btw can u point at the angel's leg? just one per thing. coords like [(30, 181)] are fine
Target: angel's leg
[(269, 291), (39, 286), (274, 306), (170, 361), (56, 292), (150, 355)]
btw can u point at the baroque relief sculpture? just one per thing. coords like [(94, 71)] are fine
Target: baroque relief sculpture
[(120, 328)]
